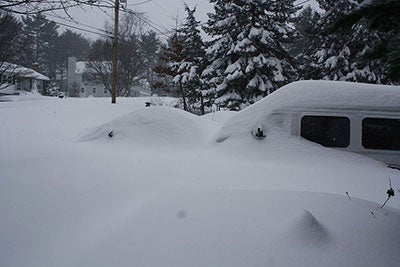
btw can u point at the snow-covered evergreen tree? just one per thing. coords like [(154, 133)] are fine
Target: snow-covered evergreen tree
[(151, 49), (248, 54), (338, 55), (12, 46), (306, 36), (41, 34), (167, 70), (380, 18), (192, 61)]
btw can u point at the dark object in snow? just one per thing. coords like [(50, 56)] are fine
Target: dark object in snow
[(60, 96), (393, 166), (110, 134), (390, 194), (147, 104), (259, 133), (7, 94)]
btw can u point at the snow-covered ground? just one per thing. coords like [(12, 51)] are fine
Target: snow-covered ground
[(163, 192)]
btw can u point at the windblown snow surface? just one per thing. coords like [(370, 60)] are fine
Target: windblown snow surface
[(163, 192)]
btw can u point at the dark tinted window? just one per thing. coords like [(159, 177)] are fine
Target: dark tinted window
[(381, 134), (326, 130)]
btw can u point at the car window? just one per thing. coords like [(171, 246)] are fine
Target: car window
[(329, 131), (381, 133)]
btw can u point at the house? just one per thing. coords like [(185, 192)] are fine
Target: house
[(22, 78), (78, 85)]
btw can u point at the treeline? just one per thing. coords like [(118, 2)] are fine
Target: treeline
[(246, 50), (257, 46), (34, 42)]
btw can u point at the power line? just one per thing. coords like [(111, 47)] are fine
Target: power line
[(80, 29), (106, 34), (140, 3), (172, 16), (146, 21), (80, 23)]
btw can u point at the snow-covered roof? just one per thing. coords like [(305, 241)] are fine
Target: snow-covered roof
[(80, 67), (21, 71), (315, 95)]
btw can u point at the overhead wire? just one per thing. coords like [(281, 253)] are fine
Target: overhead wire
[(103, 33), (80, 23), (150, 23), (80, 29), (170, 15), (140, 3)]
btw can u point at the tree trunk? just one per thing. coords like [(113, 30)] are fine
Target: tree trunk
[(183, 97), (202, 104)]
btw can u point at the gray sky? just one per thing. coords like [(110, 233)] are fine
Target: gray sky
[(162, 14)]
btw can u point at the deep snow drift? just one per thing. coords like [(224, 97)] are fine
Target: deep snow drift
[(155, 126), (162, 192)]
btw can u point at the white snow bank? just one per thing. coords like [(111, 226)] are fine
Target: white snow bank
[(123, 201), (21, 96), (151, 126), (252, 228), (7, 88), (220, 116), (203, 228)]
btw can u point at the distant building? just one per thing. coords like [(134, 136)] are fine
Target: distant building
[(86, 88), (22, 78)]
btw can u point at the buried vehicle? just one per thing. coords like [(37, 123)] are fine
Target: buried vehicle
[(356, 117)]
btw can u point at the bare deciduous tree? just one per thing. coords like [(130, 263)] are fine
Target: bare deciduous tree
[(130, 60), (27, 7)]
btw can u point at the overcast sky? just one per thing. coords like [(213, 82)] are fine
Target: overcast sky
[(162, 14)]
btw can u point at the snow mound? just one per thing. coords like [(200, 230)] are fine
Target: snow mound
[(184, 227), (306, 228), (6, 88), (151, 126), (220, 116), (309, 95)]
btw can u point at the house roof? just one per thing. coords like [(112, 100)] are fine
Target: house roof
[(80, 67), (20, 71)]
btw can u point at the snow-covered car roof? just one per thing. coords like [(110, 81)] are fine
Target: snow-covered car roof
[(334, 95)]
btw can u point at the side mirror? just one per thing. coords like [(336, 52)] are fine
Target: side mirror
[(259, 133)]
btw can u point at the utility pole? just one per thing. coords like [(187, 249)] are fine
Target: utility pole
[(115, 55)]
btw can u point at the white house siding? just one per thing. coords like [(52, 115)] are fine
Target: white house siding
[(93, 90), (88, 89)]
